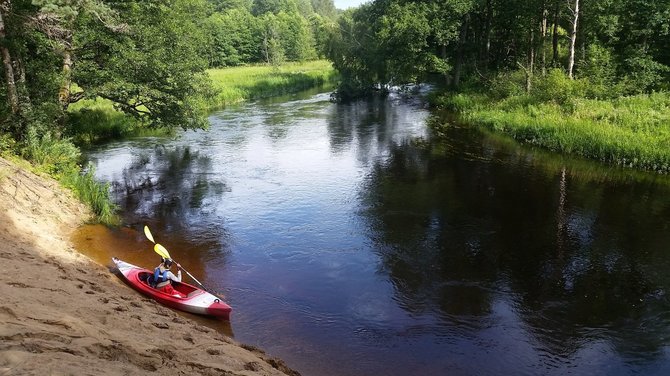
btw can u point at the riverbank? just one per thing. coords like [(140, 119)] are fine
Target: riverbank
[(632, 131), (238, 84), (96, 121), (61, 313)]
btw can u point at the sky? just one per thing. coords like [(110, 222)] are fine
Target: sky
[(344, 4)]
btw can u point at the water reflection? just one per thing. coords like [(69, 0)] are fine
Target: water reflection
[(579, 260), (169, 188), (351, 241)]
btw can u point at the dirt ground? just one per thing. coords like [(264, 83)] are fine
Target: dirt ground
[(63, 314)]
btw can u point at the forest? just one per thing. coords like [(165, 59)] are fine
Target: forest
[(619, 46), (588, 78)]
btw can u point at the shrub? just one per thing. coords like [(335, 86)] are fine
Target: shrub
[(93, 193), (508, 84), (556, 86), (50, 154)]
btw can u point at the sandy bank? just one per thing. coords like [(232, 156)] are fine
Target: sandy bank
[(62, 314)]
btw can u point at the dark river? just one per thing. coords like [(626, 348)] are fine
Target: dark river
[(350, 240)]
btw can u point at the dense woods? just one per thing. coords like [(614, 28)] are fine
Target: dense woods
[(147, 57), (620, 46)]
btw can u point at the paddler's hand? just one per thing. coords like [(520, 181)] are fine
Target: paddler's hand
[(178, 265)]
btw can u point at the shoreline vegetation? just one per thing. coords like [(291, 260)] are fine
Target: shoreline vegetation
[(96, 121), (629, 131), (590, 79)]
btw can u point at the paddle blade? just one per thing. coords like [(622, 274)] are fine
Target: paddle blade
[(148, 234), (162, 251)]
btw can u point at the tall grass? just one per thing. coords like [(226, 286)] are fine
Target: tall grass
[(629, 131), (58, 157), (238, 84), (93, 193)]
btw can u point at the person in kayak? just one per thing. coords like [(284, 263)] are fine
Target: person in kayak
[(163, 278)]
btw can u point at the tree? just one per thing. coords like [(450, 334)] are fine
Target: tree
[(573, 38), (154, 72)]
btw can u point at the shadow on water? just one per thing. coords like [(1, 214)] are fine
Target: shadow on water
[(579, 250), (166, 189), (352, 240), (169, 189)]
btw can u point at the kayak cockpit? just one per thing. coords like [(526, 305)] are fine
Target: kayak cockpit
[(185, 289)]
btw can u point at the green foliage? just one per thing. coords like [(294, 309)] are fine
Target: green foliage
[(261, 7), (643, 72), (235, 38), (600, 69), (295, 37), (243, 83), (92, 192), (556, 86), (154, 71), (629, 131), (507, 84), (51, 154), (7, 143)]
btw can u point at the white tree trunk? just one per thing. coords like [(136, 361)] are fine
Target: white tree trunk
[(573, 39)]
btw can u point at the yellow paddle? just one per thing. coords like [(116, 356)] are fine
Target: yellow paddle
[(158, 248)]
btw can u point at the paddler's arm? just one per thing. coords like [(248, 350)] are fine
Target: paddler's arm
[(176, 278)]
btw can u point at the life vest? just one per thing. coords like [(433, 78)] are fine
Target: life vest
[(158, 277)]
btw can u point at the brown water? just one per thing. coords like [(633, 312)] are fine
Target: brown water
[(351, 241)]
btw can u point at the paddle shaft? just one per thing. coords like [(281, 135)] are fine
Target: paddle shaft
[(163, 252)]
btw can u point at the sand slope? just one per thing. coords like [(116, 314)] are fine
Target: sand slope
[(62, 314)]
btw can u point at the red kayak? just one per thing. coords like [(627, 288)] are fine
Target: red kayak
[(196, 300)]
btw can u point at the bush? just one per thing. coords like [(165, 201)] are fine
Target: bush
[(50, 154), (556, 86), (508, 84), (600, 68)]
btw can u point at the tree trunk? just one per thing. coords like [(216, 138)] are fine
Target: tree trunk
[(443, 52), (554, 41), (64, 92), (487, 34), (531, 61), (458, 66), (12, 93), (573, 39), (543, 32)]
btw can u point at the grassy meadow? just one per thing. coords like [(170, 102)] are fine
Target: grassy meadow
[(631, 131), (96, 121), (237, 84)]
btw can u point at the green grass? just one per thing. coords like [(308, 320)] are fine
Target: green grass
[(93, 193), (629, 131), (96, 121), (238, 84)]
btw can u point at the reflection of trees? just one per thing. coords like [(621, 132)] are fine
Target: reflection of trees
[(580, 259), (175, 192), (370, 125)]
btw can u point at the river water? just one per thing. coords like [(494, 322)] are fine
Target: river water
[(350, 240)]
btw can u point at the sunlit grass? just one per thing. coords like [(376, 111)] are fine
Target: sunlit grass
[(629, 131), (237, 84)]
